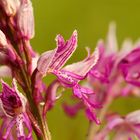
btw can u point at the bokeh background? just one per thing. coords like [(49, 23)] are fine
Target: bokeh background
[(91, 18)]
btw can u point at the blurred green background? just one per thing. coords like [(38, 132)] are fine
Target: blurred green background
[(91, 18)]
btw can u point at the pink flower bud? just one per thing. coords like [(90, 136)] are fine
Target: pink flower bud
[(10, 6), (3, 40), (25, 19)]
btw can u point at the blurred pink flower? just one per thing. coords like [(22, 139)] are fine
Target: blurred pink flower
[(125, 128)]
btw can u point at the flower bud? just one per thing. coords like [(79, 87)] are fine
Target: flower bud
[(25, 19), (10, 6), (3, 40)]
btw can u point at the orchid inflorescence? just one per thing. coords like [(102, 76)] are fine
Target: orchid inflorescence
[(96, 81)]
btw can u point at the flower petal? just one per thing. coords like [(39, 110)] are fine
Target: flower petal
[(55, 59), (129, 67), (8, 129), (45, 61), (133, 117), (25, 19), (10, 6), (112, 45), (73, 109), (66, 78), (83, 67), (5, 71), (116, 121), (91, 116), (51, 96), (64, 51), (19, 127), (102, 70), (3, 40), (12, 99), (28, 125), (5, 123)]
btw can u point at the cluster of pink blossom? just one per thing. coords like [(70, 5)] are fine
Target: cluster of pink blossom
[(105, 74), (115, 75)]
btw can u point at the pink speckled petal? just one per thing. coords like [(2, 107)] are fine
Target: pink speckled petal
[(83, 67)]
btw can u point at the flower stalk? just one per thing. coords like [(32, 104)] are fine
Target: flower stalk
[(93, 128)]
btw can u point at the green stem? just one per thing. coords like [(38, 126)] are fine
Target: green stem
[(93, 128), (27, 89), (35, 108), (32, 104), (47, 129)]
